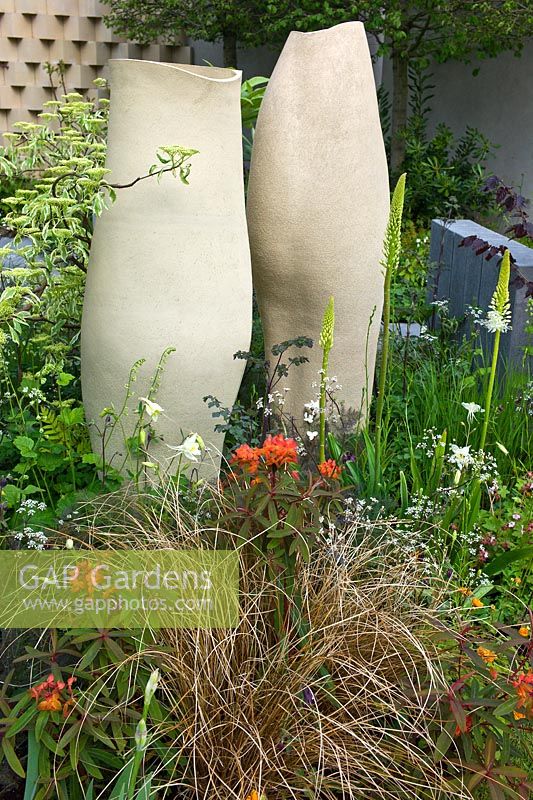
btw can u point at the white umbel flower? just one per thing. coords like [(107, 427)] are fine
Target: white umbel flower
[(497, 321)]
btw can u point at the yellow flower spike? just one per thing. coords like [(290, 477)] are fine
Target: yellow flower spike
[(328, 326), (500, 298), (326, 343)]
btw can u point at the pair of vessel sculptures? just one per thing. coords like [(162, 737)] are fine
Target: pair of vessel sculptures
[(172, 265)]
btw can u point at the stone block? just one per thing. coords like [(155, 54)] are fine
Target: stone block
[(18, 73), (34, 97), (8, 48), (15, 26), (79, 29), (63, 8), (105, 34), (94, 54), (465, 279), (46, 26), (33, 51), (80, 77), (61, 50), (10, 97), (92, 8), (31, 6)]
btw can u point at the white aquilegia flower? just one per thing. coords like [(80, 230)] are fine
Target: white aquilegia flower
[(472, 409), (191, 448), (152, 409), (497, 321), (460, 456)]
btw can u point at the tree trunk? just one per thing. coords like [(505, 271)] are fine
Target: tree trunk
[(230, 49), (400, 99)]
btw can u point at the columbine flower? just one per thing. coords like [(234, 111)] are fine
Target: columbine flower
[(152, 409), (472, 409), (191, 448), (460, 456)]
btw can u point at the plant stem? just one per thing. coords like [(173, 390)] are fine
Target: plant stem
[(322, 407), (490, 389), (382, 376)]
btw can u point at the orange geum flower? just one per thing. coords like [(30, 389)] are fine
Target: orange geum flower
[(524, 631), (330, 469), (253, 795), (465, 591), (488, 656), (476, 602)]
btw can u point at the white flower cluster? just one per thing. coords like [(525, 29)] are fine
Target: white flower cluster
[(429, 442), (275, 399), (33, 394), (29, 507), (421, 507), (33, 540), (496, 321)]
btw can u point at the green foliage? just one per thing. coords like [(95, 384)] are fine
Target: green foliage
[(446, 174), (212, 20), (391, 258), (252, 93)]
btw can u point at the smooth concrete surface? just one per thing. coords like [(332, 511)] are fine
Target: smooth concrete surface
[(170, 264), (318, 205)]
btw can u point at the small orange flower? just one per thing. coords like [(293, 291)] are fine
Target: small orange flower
[(524, 690), (488, 656), (48, 695), (524, 631), (247, 457), (277, 451), (476, 602), (518, 715), (465, 591), (253, 795), (330, 469)]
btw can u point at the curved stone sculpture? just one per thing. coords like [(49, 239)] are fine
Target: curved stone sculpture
[(318, 202), (169, 264)]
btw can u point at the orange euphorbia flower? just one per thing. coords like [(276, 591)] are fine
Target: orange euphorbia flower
[(253, 795), (277, 451), (524, 690), (48, 695), (330, 469), (247, 457), (488, 656)]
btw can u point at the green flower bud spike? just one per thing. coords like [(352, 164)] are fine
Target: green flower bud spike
[(326, 343)]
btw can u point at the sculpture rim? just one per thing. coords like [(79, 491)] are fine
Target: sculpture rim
[(192, 70), (355, 24)]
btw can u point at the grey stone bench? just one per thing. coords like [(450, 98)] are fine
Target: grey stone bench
[(465, 279)]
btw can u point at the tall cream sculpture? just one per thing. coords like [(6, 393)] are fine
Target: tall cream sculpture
[(318, 203), (169, 264)]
